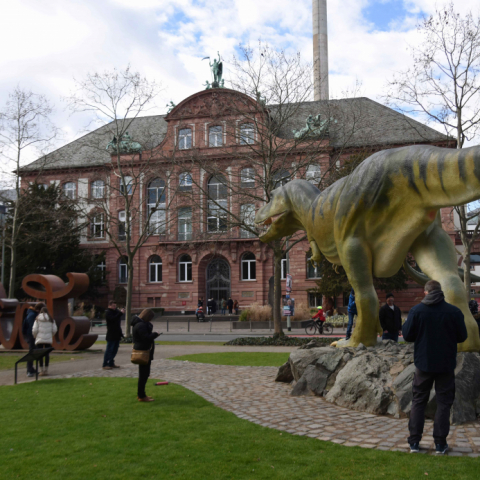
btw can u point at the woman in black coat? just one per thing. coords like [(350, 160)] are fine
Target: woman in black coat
[(144, 339)]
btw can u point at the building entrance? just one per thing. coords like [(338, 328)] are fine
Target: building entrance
[(218, 280)]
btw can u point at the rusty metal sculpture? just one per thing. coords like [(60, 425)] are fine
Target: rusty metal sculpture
[(72, 331)]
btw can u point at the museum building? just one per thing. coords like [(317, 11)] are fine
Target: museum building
[(193, 251)]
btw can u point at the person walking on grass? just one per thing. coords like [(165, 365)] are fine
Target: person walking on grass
[(436, 327), (27, 328), (390, 319), (144, 339), (113, 317), (44, 329)]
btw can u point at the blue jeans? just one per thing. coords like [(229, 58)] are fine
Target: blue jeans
[(224, 311), (390, 336), (350, 324), (110, 352)]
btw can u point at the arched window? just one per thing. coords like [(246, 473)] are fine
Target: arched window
[(126, 185), (97, 225), (98, 189), (185, 223), (185, 268), (215, 135), (247, 134), (313, 174), (69, 190), (313, 269), (247, 178), (156, 206), (185, 138), (247, 215), (284, 266), (280, 178), (185, 182), (122, 270), (155, 269), (217, 204), (249, 266)]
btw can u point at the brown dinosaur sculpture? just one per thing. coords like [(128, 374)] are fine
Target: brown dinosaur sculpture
[(370, 220)]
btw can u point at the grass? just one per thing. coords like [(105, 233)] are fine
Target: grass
[(249, 359), (7, 362), (94, 429)]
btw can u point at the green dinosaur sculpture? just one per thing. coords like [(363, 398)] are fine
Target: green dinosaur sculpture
[(369, 221)]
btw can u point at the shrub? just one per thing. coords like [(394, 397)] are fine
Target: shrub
[(260, 313), (283, 341), (244, 315), (302, 312)]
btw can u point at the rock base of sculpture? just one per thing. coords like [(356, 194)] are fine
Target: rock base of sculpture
[(376, 379)]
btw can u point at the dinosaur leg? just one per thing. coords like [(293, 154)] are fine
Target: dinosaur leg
[(357, 261), (435, 254)]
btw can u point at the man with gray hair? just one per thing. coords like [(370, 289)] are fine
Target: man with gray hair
[(436, 327)]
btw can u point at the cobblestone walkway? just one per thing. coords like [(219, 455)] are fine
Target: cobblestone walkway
[(251, 393)]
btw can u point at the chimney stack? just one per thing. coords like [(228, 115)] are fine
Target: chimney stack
[(320, 49)]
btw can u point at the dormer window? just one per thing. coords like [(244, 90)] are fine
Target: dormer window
[(185, 139), (215, 135), (247, 134)]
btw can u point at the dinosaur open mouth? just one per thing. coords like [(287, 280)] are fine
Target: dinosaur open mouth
[(267, 224)]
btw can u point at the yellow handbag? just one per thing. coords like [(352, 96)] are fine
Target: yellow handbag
[(140, 357)]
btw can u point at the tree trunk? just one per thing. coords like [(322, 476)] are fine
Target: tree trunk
[(13, 268), (277, 289), (128, 306)]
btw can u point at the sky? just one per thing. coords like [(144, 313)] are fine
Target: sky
[(48, 43)]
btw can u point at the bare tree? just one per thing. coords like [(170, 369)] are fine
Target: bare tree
[(116, 100), (443, 85), (25, 129)]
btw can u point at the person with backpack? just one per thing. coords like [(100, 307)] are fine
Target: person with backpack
[(27, 328), (44, 329), (223, 306)]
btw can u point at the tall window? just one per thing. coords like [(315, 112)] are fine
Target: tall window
[(185, 269), (126, 185), (69, 190), (247, 214), (247, 134), (280, 178), (249, 266), (217, 204), (284, 267), (42, 186), (156, 206), (313, 269), (247, 178), (122, 225), (185, 224), (313, 174), (101, 267), (155, 269), (215, 135), (98, 189), (185, 182), (314, 300), (185, 138), (122, 270), (97, 226)]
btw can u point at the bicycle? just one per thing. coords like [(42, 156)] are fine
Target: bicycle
[(323, 328)]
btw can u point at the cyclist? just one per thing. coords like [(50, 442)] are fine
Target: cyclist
[(319, 318)]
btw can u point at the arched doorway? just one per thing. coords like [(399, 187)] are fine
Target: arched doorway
[(218, 279)]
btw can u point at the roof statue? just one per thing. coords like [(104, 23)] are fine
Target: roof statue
[(314, 127), (126, 145), (170, 106), (217, 72)]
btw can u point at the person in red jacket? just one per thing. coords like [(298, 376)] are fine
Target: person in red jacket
[(319, 316)]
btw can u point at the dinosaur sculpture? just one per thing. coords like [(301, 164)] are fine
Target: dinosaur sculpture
[(370, 220)]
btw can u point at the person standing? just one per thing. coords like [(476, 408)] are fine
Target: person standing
[(230, 305), (436, 327), (113, 316), (27, 328), (292, 306), (209, 306), (214, 306), (390, 319), (352, 311), (44, 330), (223, 304), (144, 339), (236, 306)]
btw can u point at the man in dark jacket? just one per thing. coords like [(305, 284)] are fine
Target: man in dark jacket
[(27, 328), (390, 319), (436, 327), (230, 306), (113, 316)]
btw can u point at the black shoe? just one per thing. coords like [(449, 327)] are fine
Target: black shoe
[(414, 447), (441, 448)]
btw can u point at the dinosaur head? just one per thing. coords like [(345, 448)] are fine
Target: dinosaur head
[(278, 215)]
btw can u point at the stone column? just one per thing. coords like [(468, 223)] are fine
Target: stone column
[(320, 49)]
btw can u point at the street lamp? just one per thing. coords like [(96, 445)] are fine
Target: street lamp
[(3, 211)]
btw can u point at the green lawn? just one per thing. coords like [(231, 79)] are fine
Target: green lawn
[(7, 362), (80, 429), (249, 359)]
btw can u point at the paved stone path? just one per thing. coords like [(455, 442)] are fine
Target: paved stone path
[(252, 394)]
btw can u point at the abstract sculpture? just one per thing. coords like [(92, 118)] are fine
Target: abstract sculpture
[(73, 332), (369, 221)]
